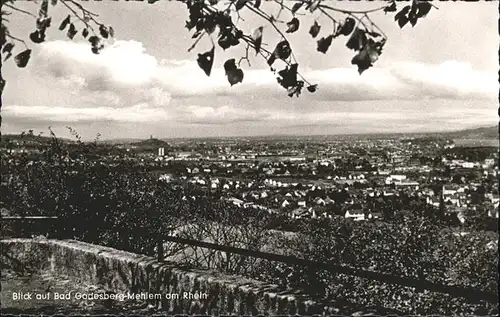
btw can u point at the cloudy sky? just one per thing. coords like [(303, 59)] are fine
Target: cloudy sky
[(439, 75)]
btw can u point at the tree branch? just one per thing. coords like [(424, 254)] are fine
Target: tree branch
[(19, 10)]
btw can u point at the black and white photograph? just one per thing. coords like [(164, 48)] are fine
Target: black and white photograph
[(249, 158)]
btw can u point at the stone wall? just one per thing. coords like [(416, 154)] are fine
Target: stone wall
[(121, 271)]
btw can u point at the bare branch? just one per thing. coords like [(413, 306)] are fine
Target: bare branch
[(19, 10)]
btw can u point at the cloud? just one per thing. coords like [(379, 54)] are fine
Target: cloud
[(138, 113), (126, 84)]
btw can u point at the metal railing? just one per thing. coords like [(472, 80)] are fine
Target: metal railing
[(420, 285)]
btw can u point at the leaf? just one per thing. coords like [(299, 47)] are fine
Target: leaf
[(22, 58), (64, 23), (7, 56), (357, 40), (314, 30), (240, 4), (314, 5), (293, 25), (152, 1), (347, 27), (297, 6), (85, 33), (288, 76), (423, 8), (312, 88), (282, 50), (44, 9), (71, 31), (94, 40), (402, 21), (43, 23), (257, 38), (257, 3), (391, 8), (233, 73), (53, 2), (7, 48), (103, 31), (206, 61), (412, 16), (3, 34), (401, 16), (324, 44), (365, 58), (111, 31), (37, 36)]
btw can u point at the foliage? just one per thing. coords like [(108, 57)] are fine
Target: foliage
[(220, 21)]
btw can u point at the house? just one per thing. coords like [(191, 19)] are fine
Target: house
[(450, 189), (356, 215)]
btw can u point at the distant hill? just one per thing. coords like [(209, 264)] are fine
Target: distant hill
[(32, 139), (151, 143), (474, 134)]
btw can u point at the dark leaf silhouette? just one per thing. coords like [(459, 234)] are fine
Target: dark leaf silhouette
[(3, 35), (240, 4), (71, 31), (324, 44), (312, 88), (96, 44), (357, 40), (257, 4), (7, 56), (85, 33), (53, 2), (233, 73), (314, 30), (152, 1), (227, 39), (206, 61), (38, 36), (44, 9), (281, 51), (412, 15), (288, 76), (365, 58), (7, 48), (22, 58), (401, 17), (402, 21), (423, 8), (347, 27), (103, 31), (64, 23), (94, 40), (297, 6), (293, 25), (391, 8), (257, 38), (111, 32), (314, 5), (295, 90), (43, 23)]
